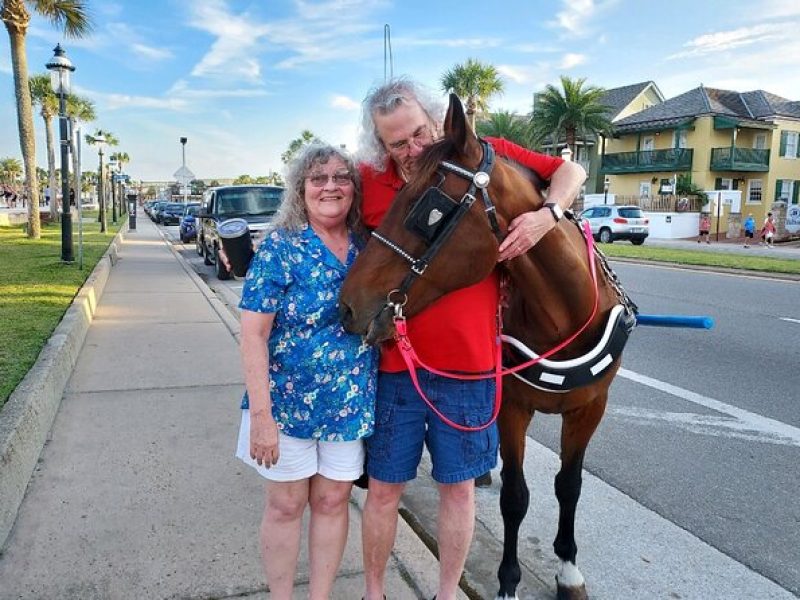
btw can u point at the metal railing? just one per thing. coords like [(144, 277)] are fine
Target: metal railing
[(739, 159), (643, 161)]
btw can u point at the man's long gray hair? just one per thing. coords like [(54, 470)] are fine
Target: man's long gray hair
[(384, 100), (292, 211)]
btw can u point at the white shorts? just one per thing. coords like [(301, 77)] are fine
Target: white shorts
[(300, 459)]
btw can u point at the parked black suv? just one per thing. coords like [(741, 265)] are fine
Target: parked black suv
[(254, 203)]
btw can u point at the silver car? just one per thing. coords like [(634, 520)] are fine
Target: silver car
[(610, 223)]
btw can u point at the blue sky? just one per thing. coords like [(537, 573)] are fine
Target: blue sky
[(241, 79)]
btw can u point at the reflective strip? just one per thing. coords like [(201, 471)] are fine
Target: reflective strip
[(604, 362), (552, 378)]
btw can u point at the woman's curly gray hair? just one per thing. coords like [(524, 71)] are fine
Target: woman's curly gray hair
[(384, 100), (292, 211)]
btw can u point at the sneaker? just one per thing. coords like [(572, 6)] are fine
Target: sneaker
[(746, 246), (707, 242)]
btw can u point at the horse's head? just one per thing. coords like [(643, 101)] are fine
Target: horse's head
[(438, 234)]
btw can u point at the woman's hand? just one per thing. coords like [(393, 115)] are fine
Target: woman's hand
[(263, 439)]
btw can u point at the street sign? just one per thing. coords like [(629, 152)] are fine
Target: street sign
[(121, 177), (184, 175)]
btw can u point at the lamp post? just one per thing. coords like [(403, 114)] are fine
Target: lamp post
[(183, 163), (101, 200), (60, 68), (606, 183), (112, 162)]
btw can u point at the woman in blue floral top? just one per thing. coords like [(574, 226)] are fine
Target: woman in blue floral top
[(310, 385)]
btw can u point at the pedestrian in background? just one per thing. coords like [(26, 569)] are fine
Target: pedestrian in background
[(705, 228), (749, 230), (768, 230), (310, 385)]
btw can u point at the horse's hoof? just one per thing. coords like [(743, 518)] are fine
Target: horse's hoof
[(571, 593), (484, 480)]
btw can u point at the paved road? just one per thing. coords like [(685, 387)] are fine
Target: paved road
[(694, 467)]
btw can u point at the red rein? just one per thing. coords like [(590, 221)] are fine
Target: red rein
[(413, 361)]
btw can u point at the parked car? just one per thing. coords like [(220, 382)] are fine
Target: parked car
[(610, 223), (254, 203), (188, 226), (155, 209), (172, 212)]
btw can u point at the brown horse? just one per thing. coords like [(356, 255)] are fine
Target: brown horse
[(553, 295)]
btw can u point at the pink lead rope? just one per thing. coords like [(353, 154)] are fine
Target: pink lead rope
[(413, 361)]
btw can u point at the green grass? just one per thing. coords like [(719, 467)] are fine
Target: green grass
[(708, 259), (36, 288)]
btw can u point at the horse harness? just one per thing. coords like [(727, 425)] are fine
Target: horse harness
[(434, 217)]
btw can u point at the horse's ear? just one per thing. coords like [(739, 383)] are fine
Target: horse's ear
[(457, 128)]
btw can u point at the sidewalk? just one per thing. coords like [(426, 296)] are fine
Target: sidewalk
[(137, 493)]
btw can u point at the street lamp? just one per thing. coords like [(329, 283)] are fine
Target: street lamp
[(606, 183), (112, 163), (100, 140), (183, 152), (60, 68)]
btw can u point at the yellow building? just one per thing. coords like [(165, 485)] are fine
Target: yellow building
[(724, 140)]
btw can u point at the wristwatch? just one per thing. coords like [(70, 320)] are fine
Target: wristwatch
[(557, 211)]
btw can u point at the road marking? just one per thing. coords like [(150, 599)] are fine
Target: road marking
[(789, 319), (744, 424)]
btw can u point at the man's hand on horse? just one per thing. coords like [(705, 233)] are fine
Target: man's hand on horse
[(524, 233)]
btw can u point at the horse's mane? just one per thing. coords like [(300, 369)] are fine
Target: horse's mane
[(428, 165)]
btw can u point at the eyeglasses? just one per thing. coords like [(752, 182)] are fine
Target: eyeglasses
[(420, 138), (321, 179)]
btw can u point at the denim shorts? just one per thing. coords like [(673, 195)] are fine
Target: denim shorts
[(404, 422)]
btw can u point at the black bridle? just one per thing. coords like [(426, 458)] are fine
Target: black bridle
[(435, 216)]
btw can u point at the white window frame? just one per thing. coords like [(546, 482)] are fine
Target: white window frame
[(645, 189), (760, 141), (725, 183), (680, 138), (791, 144), (755, 186), (649, 140), (787, 189)]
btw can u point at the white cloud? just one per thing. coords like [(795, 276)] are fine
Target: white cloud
[(728, 40), (150, 52), (516, 73), (232, 55), (570, 60), (117, 101), (339, 101), (575, 16)]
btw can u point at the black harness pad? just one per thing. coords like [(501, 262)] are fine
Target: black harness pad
[(430, 213)]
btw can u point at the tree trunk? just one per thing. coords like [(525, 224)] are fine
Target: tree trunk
[(16, 18), (472, 108), (51, 166), (571, 143)]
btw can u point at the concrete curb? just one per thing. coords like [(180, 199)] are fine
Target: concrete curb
[(27, 417)]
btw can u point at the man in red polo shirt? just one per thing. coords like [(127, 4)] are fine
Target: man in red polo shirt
[(455, 333)]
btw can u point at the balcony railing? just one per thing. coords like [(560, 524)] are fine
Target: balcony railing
[(644, 161), (739, 159)]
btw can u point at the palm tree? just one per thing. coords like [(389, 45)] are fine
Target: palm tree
[(507, 125), (10, 170), (475, 82), (99, 138), (573, 111), (42, 95), (79, 109), (121, 158), (306, 137), (73, 17)]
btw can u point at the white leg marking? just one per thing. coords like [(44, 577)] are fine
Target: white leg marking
[(515, 597), (569, 575)]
